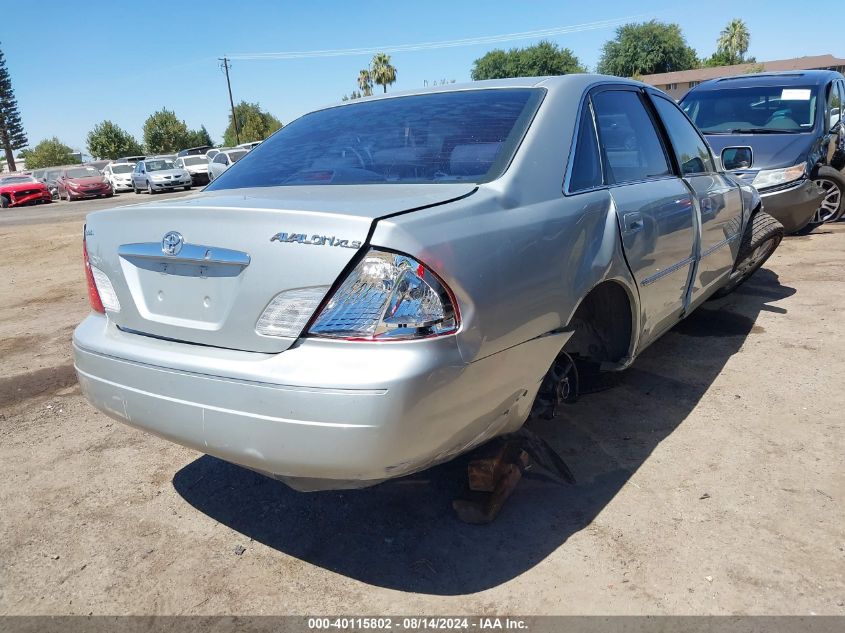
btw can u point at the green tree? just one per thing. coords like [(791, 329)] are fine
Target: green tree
[(49, 153), (733, 41), (647, 48), (253, 123), (164, 133), (12, 135), (199, 138), (107, 140), (540, 60), (365, 82), (382, 71)]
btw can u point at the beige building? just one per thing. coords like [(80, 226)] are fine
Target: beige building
[(678, 83)]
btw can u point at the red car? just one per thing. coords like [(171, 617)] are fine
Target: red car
[(19, 190), (75, 183)]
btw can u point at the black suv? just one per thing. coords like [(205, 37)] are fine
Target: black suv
[(782, 132)]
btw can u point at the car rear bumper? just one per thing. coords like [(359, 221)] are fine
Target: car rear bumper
[(794, 206), (325, 414)]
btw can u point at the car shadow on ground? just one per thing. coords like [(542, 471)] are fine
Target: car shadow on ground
[(404, 535)]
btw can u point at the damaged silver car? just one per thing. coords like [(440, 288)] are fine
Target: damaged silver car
[(387, 283)]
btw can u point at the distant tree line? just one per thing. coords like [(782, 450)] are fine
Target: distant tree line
[(637, 49), (163, 133)]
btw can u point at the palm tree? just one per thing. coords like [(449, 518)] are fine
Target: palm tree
[(734, 39), (365, 82), (381, 70)]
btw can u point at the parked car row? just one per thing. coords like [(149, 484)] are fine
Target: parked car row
[(192, 167)]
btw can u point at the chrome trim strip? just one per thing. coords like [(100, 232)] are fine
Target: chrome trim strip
[(190, 254), (719, 245), (667, 271)]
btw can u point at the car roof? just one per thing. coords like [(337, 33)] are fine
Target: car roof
[(785, 78), (575, 83)]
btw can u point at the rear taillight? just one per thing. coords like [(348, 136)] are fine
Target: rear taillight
[(101, 294), (93, 295), (388, 296)]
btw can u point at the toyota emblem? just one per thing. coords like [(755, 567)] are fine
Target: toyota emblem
[(171, 243)]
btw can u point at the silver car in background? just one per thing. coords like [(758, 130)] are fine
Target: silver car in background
[(159, 174), (223, 160), (385, 284)]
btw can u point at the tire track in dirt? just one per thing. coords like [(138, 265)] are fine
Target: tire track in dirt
[(14, 389)]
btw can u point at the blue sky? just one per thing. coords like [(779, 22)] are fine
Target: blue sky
[(122, 61)]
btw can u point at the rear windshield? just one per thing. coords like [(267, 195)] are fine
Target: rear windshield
[(443, 137), (761, 109)]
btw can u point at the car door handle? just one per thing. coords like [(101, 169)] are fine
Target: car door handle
[(632, 222)]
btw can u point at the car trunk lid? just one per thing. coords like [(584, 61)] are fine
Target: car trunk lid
[(203, 269)]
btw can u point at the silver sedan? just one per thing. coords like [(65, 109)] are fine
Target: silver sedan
[(385, 284), (159, 174)]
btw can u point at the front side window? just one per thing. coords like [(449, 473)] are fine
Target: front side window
[(586, 167), (629, 141), (221, 159), (690, 149), (460, 136), (757, 110)]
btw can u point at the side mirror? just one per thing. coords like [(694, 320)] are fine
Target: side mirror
[(737, 158)]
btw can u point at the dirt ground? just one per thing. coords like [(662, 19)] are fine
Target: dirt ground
[(710, 481)]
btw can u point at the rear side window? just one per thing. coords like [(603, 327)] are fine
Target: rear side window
[(460, 136), (630, 144), (690, 150), (586, 166)]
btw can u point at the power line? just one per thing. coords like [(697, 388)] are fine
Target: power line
[(425, 46)]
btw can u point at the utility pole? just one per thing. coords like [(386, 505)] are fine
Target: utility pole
[(226, 66)]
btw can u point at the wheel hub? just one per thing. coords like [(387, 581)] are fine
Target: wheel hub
[(829, 207)]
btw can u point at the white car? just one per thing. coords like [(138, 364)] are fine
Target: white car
[(197, 166), (250, 145), (223, 160), (119, 175), (214, 151)]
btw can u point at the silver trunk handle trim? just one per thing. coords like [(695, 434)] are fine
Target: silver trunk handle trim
[(189, 254)]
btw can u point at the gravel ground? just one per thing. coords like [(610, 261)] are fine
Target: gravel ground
[(710, 481)]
